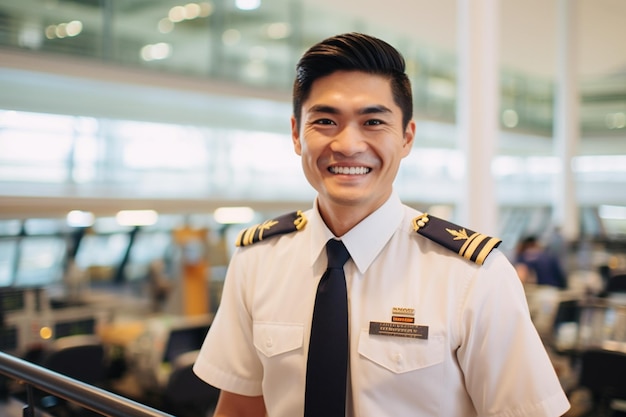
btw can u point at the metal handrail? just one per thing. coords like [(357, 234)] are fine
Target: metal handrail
[(85, 395)]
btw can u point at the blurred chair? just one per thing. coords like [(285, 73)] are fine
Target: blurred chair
[(566, 317), (185, 394), (81, 357), (616, 284), (603, 372)]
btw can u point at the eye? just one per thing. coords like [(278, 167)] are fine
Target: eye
[(323, 122), (374, 122)]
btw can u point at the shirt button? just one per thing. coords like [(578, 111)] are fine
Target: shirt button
[(398, 359), (269, 342)]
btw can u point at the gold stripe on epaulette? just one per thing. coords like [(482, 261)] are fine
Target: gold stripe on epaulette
[(472, 246), (239, 237), (462, 234), (287, 223), (475, 240), (248, 237), (486, 250)]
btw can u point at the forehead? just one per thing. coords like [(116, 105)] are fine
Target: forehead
[(351, 87)]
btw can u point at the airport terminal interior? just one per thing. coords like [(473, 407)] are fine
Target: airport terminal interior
[(139, 137)]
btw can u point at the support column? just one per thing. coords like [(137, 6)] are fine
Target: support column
[(477, 111), (565, 211)]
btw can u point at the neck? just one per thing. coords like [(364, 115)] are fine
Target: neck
[(341, 219)]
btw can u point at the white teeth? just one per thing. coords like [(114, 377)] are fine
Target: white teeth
[(349, 170)]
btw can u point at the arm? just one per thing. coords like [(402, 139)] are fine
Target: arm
[(235, 405), (506, 367)]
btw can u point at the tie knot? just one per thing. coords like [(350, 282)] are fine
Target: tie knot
[(337, 253)]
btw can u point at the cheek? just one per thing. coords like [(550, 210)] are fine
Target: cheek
[(306, 148)]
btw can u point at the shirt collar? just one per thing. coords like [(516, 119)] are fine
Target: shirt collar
[(365, 240)]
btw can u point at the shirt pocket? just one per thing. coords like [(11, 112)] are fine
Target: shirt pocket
[(402, 354), (273, 339)]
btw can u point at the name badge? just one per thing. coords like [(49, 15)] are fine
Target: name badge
[(399, 330)]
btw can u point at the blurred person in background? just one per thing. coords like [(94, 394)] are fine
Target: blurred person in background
[(536, 265)]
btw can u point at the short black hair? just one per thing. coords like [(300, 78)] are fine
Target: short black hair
[(530, 240), (353, 52)]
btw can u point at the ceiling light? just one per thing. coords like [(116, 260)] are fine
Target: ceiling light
[(136, 217), (206, 9), (247, 4), (233, 215), (157, 51), (192, 11), (79, 218), (74, 28), (279, 30), (61, 30), (177, 14), (510, 118)]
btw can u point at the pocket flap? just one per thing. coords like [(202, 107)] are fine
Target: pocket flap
[(272, 339), (399, 354)]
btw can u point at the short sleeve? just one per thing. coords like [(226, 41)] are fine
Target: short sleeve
[(506, 367), (228, 359)]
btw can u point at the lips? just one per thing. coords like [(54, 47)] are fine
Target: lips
[(349, 170)]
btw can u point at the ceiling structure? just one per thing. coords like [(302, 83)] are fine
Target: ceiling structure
[(528, 30), (527, 45)]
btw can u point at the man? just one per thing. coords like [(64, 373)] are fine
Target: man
[(431, 332), (534, 260)]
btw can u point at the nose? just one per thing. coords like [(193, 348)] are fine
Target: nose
[(348, 141)]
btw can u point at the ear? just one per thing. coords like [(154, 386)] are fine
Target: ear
[(409, 136), (295, 136)]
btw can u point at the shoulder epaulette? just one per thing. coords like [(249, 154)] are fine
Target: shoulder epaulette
[(467, 243), (286, 223)]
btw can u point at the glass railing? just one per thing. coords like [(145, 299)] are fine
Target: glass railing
[(256, 44)]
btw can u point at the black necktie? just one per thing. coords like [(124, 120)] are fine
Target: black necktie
[(327, 364)]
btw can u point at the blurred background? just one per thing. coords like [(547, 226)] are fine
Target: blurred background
[(138, 137)]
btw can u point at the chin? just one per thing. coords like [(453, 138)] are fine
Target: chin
[(349, 199)]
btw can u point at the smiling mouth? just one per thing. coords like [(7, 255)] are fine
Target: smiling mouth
[(349, 170)]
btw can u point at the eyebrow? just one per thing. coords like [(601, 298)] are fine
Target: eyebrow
[(374, 109)]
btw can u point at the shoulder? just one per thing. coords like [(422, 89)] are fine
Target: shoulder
[(461, 240), (287, 223)]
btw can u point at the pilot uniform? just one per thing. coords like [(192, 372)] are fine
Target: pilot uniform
[(432, 331)]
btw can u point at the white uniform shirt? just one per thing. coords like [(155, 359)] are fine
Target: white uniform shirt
[(482, 357)]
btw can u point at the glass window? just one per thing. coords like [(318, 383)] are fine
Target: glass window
[(41, 261), (147, 247), (10, 227), (102, 250), (170, 146), (43, 226), (34, 146), (8, 250)]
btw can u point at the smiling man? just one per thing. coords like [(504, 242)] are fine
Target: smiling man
[(351, 138), (424, 319)]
